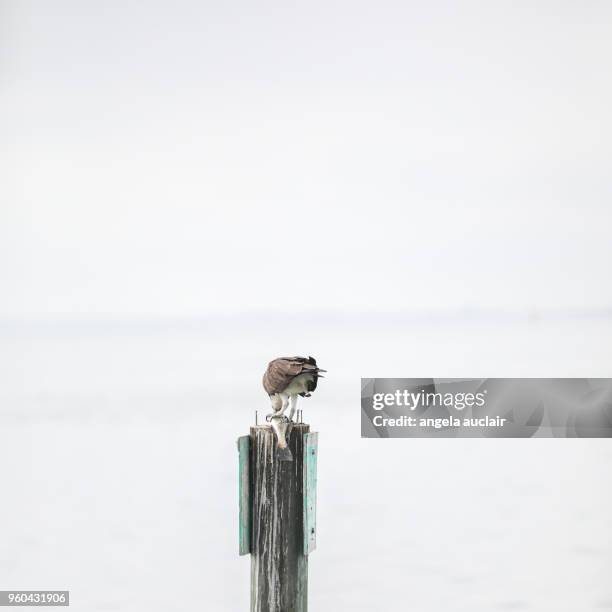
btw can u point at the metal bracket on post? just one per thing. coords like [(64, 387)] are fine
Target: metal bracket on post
[(310, 491), (244, 495)]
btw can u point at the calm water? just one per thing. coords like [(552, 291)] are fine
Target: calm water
[(118, 468)]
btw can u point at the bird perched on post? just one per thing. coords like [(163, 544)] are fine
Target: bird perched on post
[(288, 377)]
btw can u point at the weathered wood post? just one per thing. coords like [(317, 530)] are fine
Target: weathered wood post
[(278, 515)]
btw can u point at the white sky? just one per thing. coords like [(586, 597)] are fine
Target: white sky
[(184, 158)]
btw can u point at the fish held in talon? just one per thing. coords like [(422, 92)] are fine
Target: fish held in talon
[(280, 426)]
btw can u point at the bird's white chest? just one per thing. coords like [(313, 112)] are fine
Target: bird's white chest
[(299, 384)]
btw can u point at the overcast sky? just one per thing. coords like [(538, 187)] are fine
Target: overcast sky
[(185, 158)]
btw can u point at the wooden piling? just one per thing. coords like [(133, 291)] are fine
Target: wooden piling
[(281, 501)]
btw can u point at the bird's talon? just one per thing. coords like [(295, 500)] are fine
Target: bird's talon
[(273, 415)]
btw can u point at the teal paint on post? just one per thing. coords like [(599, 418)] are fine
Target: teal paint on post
[(310, 491), (244, 498)]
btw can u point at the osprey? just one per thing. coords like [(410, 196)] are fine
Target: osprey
[(288, 377)]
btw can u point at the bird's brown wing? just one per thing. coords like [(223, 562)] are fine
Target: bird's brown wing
[(283, 370)]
